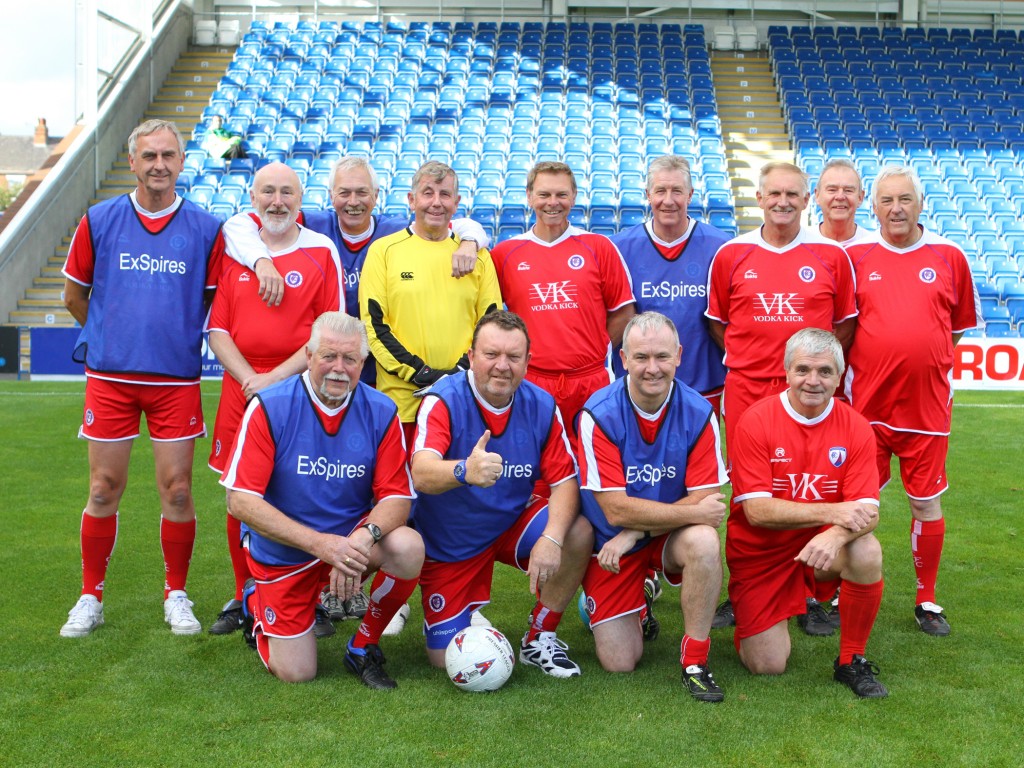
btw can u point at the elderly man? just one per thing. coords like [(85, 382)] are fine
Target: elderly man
[(260, 344), (572, 289), (764, 286), (139, 273), (839, 194), (318, 476), (483, 438), (916, 299), (669, 257), (652, 476), (418, 317), (805, 498)]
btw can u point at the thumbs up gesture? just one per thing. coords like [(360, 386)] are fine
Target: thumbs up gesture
[(483, 468)]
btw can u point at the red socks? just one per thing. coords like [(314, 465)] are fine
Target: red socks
[(176, 540), (859, 606), (926, 545), (387, 595), (239, 564), (99, 534), (541, 620), (694, 651)]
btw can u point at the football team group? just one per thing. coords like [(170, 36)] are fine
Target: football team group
[(402, 406)]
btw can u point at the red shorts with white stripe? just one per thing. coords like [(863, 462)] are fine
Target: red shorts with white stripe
[(613, 595), (113, 411), (452, 591)]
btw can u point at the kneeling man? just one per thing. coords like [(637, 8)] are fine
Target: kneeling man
[(484, 438), (318, 477), (805, 498), (652, 476)]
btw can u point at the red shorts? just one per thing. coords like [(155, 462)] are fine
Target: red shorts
[(922, 461), (741, 393), (768, 588), (284, 604), (571, 391), (230, 411), (113, 410), (714, 396), (452, 591), (613, 595)]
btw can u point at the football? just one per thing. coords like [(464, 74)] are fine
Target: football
[(479, 659)]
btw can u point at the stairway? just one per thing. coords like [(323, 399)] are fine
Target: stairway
[(752, 126), (181, 99)]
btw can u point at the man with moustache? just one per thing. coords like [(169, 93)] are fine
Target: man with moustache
[(318, 475), (260, 344)]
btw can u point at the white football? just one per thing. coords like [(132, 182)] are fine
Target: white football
[(479, 659)]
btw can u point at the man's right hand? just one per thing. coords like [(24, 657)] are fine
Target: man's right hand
[(854, 515), (271, 283), (710, 510), (483, 468)]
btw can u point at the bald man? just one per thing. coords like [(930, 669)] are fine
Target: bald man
[(260, 344)]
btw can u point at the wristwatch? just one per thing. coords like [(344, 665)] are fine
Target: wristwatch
[(374, 532), (460, 471)]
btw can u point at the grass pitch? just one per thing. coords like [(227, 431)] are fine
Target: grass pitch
[(134, 695)]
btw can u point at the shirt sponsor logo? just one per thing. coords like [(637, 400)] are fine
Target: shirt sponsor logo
[(837, 456), (293, 279), (517, 470), (328, 469), (554, 296), (351, 279), (927, 275), (151, 264), (806, 274), (779, 308), (672, 291), (576, 261), (648, 474), (805, 487)]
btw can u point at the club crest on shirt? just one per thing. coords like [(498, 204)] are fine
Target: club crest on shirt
[(806, 274), (293, 279), (436, 602), (576, 261), (927, 275), (837, 456)]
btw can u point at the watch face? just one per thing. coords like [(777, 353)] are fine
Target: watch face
[(374, 531), (460, 470)]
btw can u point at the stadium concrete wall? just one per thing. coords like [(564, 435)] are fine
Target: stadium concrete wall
[(64, 194)]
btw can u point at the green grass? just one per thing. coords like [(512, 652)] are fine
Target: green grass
[(134, 695)]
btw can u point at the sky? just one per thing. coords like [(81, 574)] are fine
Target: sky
[(37, 78)]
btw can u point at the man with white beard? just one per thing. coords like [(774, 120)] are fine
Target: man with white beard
[(259, 343)]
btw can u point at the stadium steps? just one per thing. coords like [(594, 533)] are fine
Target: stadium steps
[(752, 126), (181, 99)]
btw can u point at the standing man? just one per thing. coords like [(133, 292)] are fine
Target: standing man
[(839, 194), (771, 282), (483, 438), (352, 227), (572, 289), (318, 475), (419, 318), (140, 272), (652, 477), (805, 498), (260, 344), (669, 257), (916, 300)]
